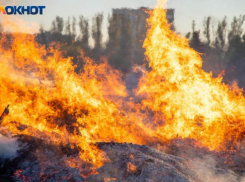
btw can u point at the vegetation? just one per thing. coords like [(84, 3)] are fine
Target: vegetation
[(222, 47)]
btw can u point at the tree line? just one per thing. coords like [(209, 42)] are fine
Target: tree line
[(222, 47), (123, 47)]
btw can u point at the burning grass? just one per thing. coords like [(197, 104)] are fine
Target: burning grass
[(50, 101)]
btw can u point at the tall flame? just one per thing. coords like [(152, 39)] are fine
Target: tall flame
[(191, 102), (50, 101)]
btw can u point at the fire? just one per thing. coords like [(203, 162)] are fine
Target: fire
[(131, 167), (191, 102), (110, 179), (48, 100)]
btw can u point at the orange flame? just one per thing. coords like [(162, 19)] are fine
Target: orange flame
[(61, 106), (54, 103), (131, 167), (191, 102)]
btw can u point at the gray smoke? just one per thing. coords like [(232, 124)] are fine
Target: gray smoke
[(208, 170), (8, 147)]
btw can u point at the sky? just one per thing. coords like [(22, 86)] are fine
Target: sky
[(185, 10)]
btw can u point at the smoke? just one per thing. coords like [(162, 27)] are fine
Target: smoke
[(17, 25), (8, 147), (30, 78), (208, 170), (25, 77)]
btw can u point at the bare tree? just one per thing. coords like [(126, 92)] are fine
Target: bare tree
[(68, 26), (43, 39), (96, 30), (236, 26), (195, 41), (68, 30), (57, 25), (221, 33), (206, 31), (74, 23), (60, 24), (113, 32), (84, 29)]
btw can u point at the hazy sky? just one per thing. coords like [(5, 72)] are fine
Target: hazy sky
[(185, 10)]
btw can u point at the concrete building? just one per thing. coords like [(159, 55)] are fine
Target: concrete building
[(135, 13), (137, 28)]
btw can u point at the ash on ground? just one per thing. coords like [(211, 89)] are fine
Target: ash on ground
[(182, 161)]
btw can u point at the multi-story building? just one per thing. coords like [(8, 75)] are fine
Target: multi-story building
[(127, 32), (132, 23), (142, 12)]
